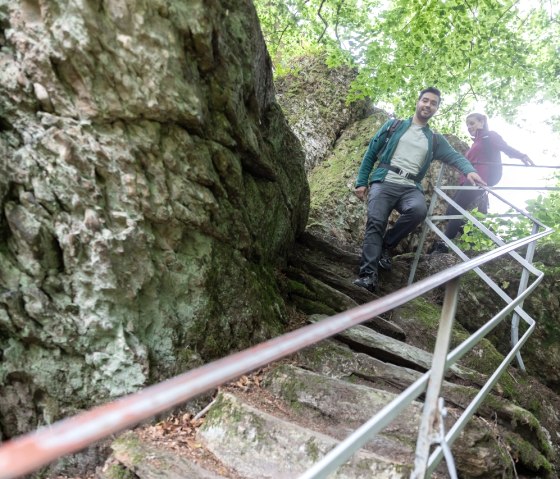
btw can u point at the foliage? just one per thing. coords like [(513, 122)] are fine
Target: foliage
[(545, 208), (554, 122), (293, 28), (501, 52), (508, 229)]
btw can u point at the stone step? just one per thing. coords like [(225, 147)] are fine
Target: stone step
[(259, 445), (388, 349), (135, 458), (250, 443), (503, 428), (313, 296), (347, 406), (343, 407)]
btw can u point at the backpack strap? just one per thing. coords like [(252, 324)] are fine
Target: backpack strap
[(392, 128), (435, 142), (388, 133)]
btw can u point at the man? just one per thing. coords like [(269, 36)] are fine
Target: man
[(404, 157)]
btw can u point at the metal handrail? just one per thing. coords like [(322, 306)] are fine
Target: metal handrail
[(330, 462), (431, 415), (26, 453), (31, 451), (527, 263)]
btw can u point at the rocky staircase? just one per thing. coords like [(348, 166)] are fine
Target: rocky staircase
[(288, 416)]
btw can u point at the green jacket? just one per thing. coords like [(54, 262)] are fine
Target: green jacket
[(443, 152)]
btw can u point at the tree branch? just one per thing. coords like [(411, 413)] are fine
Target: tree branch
[(502, 16), (323, 20), (338, 8)]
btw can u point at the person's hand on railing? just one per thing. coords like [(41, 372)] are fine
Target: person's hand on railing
[(475, 179), (528, 162), (361, 192)]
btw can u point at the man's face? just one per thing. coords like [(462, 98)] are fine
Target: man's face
[(427, 106)]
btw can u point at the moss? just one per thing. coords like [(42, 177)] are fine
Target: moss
[(132, 444), (312, 450), (245, 306), (187, 359), (295, 287), (484, 357), (354, 379), (291, 384), (226, 407), (524, 417), (216, 411), (522, 421), (327, 180), (424, 317), (420, 309), (523, 452), (128, 439), (290, 387), (510, 389), (309, 306), (325, 184), (534, 404), (325, 352), (118, 471)]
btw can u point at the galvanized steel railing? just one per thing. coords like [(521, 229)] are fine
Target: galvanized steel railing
[(430, 382), (25, 454)]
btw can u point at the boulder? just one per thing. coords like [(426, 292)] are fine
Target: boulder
[(150, 189), (314, 98)]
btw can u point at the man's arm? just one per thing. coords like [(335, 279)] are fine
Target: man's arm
[(370, 156), (475, 179)]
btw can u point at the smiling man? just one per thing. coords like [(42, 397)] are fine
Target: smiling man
[(404, 150)]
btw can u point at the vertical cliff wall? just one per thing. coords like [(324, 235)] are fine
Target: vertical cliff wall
[(149, 186)]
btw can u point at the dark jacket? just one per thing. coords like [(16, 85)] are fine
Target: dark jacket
[(443, 152)]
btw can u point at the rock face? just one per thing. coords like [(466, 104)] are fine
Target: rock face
[(150, 191), (149, 188), (335, 135), (313, 98)]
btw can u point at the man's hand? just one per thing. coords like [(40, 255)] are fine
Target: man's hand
[(361, 192), (475, 179), (528, 162)]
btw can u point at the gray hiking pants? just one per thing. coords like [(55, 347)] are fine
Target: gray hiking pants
[(383, 198)]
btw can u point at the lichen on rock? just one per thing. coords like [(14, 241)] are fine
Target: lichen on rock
[(150, 188)]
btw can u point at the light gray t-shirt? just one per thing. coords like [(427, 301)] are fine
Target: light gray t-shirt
[(409, 155)]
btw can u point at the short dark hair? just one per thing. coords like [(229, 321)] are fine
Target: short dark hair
[(431, 89)]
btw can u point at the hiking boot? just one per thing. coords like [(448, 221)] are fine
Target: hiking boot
[(385, 261), (368, 282), (439, 247)]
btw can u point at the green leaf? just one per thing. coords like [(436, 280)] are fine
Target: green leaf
[(484, 50)]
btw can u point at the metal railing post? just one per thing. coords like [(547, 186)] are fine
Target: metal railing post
[(424, 232), (522, 286), (429, 425)]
